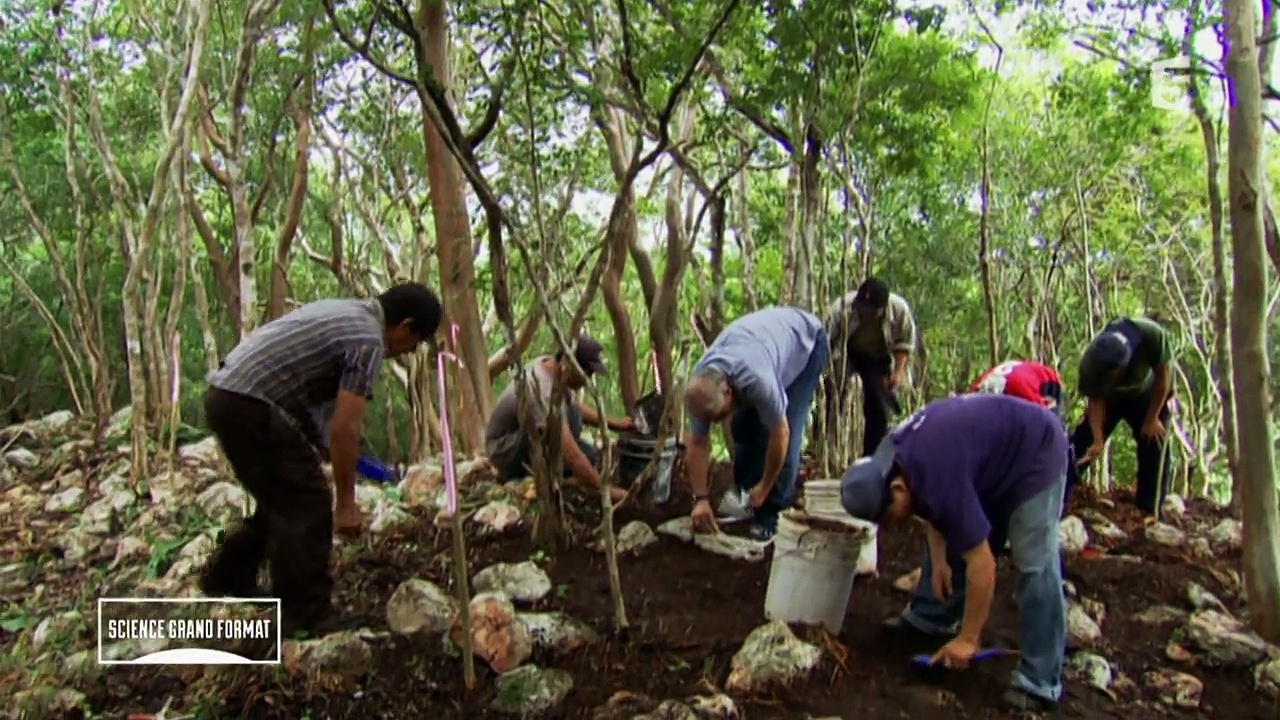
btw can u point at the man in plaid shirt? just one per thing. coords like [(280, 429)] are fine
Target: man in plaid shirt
[(293, 391)]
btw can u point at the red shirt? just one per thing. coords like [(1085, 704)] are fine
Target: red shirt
[(1021, 378)]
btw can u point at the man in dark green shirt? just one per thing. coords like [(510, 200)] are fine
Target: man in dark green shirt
[(1126, 375)]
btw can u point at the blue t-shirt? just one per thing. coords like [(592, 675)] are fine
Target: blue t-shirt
[(971, 460), (761, 354)]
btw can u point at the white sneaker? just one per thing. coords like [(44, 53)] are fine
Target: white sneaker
[(735, 506)]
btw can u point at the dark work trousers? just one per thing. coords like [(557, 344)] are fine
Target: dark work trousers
[(1154, 457), (878, 402), (521, 463), (292, 524)]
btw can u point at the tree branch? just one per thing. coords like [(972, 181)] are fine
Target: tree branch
[(673, 97), (493, 111)]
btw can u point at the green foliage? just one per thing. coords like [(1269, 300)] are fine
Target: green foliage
[(1093, 191)]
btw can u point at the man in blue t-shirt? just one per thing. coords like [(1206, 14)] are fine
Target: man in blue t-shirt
[(763, 369), (973, 467)]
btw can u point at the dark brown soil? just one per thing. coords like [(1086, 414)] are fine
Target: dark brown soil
[(689, 613)]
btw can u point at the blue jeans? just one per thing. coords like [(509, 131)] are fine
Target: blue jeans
[(751, 439), (1042, 608)]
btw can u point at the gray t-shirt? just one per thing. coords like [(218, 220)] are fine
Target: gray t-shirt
[(504, 421), (761, 354)]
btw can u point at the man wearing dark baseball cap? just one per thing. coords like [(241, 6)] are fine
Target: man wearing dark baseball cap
[(1126, 375), (872, 334), (508, 443), (977, 469)]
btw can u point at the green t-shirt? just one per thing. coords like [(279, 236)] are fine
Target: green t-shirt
[(1152, 350)]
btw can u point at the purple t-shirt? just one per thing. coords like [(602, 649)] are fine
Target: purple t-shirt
[(971, 460)]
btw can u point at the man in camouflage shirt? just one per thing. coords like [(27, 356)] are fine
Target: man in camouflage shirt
[(268, 406)]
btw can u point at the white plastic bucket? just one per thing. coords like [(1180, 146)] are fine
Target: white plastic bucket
[(812, 571), (822, 499)]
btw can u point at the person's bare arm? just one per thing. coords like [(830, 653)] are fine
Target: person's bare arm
[(1160, 392), (696, 457), (576, 459), (1096, 411), (344, 445), (775, 455), (899, 365), (980, 577), (937, 544), (592, 419), (589, 416)]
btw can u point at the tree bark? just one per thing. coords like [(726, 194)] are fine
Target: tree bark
[(279, 289), (746, 243), (137, 238), (453, 249), (238, 284), (622, 229), (663, 313), (1261, 510), (1221, 370)]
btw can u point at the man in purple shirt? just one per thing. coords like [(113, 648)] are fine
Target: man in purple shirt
[(973, 468), (763, 369)]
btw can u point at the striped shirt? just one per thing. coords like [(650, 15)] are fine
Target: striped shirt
[(299, 362)]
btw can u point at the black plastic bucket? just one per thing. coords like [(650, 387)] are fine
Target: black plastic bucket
[(635, 451)]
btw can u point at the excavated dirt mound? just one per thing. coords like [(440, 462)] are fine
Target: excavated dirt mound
[(690, 611)]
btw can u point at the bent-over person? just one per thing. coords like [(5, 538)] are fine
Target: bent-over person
[(1026, 379), (977, 469), (291, 392), (763, 369), (873, 335), (508, 441), (1126, 374)]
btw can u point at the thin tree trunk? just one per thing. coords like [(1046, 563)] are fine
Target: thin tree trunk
[(810, 207), (298, 190), (1246, 180), (984, 220), (1221, 367), (453, 247), (746, 243)]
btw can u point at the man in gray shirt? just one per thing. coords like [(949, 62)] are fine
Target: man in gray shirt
[(763, 369), (509, 443), (267, 406)]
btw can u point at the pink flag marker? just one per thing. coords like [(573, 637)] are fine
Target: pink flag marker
[(446, 437)]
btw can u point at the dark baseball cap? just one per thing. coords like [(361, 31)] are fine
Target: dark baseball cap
[(590, 355), (864, 490), (1107, 353), (872, 293)]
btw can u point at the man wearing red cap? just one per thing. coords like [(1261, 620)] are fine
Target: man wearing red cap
[(508, 443), (1024, 379)]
